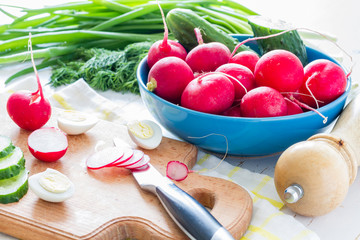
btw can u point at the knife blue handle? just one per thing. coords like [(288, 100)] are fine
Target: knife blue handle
[(193, 219)]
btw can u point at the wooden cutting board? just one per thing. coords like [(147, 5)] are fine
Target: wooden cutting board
[(108, 203)]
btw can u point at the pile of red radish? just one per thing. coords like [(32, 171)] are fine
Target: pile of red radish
[(124, 157), (211, 79)]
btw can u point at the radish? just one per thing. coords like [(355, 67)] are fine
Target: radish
[(176, 170), (127, 155), (279, 69), (240, 73), (324, 81), (209, 93), (165, 48), (136, 157), (142, 163), (47, 144), (233, 111), (104, 158), (246, 58), (263, 102), (30, 111), (169, 77), (207, 57), (118, 156), (292, 107)]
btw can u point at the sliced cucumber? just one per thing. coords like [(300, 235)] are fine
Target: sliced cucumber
[(6, 146), (12, 164), (291, 41), (13, 189)]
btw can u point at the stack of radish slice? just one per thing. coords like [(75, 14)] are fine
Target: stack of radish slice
[(118, 157)]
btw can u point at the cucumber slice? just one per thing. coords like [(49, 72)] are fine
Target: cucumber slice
[(290, 41), (12, 164), (13, 189), (6, 146)]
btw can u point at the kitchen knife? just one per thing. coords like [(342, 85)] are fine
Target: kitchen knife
[(193, 219)]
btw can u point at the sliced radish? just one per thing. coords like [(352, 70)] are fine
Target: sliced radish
[(47, 144), (105, 157), (136, 157), (176, 170), (143, 162), (128, 153)]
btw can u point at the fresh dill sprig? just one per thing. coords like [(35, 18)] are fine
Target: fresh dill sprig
[(103, 69)]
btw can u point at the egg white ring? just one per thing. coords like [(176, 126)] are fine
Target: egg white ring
[(75, 128), (148, 143), (46, 195)]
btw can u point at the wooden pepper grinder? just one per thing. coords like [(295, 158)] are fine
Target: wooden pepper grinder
[(313, 177)]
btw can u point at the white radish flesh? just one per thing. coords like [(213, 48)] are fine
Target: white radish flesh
[(105, 157), (47, 144), (128, 153), (144, 161), (136, 157), (176, 170)]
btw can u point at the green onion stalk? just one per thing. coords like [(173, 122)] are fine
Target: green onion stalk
[(63, 36)]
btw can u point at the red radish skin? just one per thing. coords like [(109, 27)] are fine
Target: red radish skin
[(30, 111), (128, 153), (118, 156), (176, 170), (144, 162), (279, 69), (326, 81), (210, 93), (242, 74), (234, 111), (246, 58), (169, 77), (104, 158), (161, 50), (207, 57), (47, 144), (292, 107), (263, 102), (165, 48), (136, 157)]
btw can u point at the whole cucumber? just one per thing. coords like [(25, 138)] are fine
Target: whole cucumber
[(290, 41), (181, 23)]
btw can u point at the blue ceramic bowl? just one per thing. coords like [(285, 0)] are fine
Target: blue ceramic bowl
[(245, 136)]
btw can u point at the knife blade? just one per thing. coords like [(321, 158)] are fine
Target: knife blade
[(192, 218)]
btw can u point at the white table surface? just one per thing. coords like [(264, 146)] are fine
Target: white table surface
[(338, 18)]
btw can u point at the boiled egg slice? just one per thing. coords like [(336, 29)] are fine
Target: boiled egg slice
[(75, 122), (146, 134), (51, 185)]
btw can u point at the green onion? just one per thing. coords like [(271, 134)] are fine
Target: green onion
[(40, 53), (72, 36), (59, 30)]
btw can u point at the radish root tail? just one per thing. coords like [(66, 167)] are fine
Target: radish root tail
[(223, 158), (35, 70), (303, 105), (308, 88), (164, 43)]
